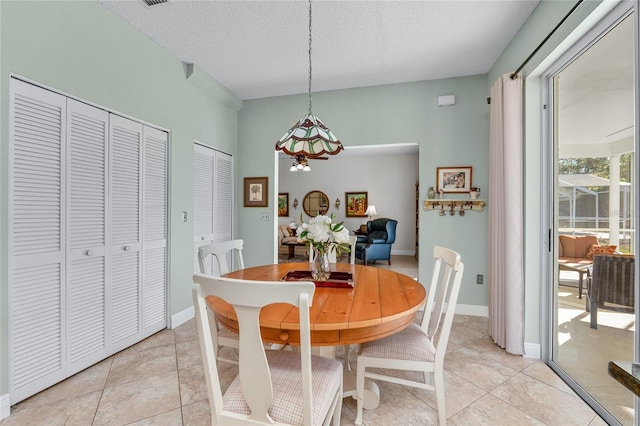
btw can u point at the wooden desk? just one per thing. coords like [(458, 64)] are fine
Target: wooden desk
[(381, 303)]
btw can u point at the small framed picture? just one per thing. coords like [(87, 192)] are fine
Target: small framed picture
[(356, 203), (453, 179), (256, 191), (283, 204)]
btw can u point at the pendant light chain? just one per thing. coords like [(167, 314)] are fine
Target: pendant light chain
[(309, 57), (309, 138)]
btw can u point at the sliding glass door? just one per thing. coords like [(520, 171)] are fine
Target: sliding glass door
[(591, 108)]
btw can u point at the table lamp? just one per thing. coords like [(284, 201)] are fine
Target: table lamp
[(371, 211)]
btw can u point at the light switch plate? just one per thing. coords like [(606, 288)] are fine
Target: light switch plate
[(184, 216)]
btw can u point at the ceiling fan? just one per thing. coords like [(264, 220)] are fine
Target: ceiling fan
[(302, 162)]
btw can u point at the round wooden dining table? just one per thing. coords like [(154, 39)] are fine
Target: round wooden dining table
[(381, 303)]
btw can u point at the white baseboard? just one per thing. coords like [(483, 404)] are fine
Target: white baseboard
[(532, 350), (403, 252), (182, 317), (5, 406), (473, 310)]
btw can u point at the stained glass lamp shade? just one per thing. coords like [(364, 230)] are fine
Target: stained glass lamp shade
[(309, 137)]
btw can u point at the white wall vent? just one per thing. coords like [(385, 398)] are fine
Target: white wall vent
[(154, 2)]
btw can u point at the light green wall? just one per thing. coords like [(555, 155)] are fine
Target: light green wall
[(85, 50), (400, 113), (541, 22)]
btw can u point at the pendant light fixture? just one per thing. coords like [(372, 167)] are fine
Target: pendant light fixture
[(308, 138)]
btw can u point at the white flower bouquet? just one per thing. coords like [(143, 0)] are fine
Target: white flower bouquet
[(323, 235)]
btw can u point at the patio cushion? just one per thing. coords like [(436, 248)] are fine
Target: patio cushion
[(597, 249), (577, 245)]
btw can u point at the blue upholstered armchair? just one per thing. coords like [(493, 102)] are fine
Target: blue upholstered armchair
[(381, 234)]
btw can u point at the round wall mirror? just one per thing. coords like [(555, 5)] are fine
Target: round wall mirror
[(315, 203)]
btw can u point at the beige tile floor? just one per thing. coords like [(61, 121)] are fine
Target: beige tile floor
[(613, 340), (160, 381)]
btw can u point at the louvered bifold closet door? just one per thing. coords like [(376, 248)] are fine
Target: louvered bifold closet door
[(87, 262), (203, 186), (154, 238), (223, 203), (36, 244), (126, 205)]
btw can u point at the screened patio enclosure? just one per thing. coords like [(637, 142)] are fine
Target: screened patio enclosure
[(584, 207)]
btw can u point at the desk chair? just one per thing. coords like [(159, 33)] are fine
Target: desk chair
[(418, 347), (293, 388), (223, 253)]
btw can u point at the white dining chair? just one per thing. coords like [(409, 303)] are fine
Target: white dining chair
[(285, 387), (224, 253), (418, 347), (219, 254)]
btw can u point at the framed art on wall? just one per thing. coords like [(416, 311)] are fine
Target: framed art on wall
[(256, 191), (356, 203), (453, 179), (283, 204)]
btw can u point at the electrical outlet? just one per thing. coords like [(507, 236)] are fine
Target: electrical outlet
[(265, 216), (479, 279)]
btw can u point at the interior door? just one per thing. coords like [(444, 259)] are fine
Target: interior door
[(126, 206), (155, 183), (203, 196), (37, 355), (86, 183), (213, 202)]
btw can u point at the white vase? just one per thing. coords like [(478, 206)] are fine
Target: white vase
[(320, 267)]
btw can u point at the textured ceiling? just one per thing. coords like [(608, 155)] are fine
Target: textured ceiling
[(259, 49)]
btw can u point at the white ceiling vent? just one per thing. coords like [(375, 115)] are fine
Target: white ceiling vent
[(154, 2)]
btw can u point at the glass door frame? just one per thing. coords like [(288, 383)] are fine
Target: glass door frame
[(549, 214)]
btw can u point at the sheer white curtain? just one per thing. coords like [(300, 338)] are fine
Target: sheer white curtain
[(506, 271)]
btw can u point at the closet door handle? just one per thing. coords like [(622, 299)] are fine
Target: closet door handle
[(202, 238), (88, 252), (126, 248)]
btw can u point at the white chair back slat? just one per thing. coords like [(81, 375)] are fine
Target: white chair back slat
[(224, 253), (352, 242)]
